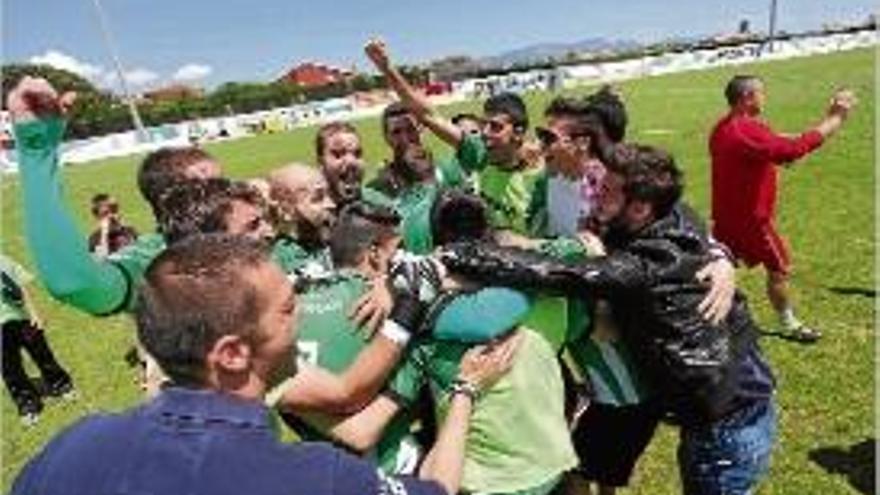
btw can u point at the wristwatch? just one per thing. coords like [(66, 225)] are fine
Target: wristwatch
[(464, 387)]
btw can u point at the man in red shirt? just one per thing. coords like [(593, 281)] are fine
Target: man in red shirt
[(745, 154)]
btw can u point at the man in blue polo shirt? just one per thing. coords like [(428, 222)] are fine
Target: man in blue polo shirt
[(218, 316)]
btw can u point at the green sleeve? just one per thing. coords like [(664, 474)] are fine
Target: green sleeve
[(481, 316), (450, 173), (536, 214), (408, 378), (61, 254), (564, 248), (471, 153)]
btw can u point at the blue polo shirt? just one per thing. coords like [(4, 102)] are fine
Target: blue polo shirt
[(198, 442)]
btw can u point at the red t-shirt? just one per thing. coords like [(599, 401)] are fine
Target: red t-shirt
[(745, 152)]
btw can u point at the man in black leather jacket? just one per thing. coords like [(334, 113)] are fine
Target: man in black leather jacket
[(711, 377)]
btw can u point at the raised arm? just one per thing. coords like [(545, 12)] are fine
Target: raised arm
[(63, 261), (377, 52), (767, 145)]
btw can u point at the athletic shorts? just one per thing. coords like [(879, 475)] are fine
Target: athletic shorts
[(610, 439), (760, 245)]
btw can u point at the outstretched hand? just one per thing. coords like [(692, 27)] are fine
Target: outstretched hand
[(842, 102), (34, 98)]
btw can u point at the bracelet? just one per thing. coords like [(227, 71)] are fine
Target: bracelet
[(392, 331), (464, 387)]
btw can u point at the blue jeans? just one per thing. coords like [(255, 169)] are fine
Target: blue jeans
[(730, 456)]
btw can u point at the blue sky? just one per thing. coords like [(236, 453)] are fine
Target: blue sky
[(207, 43)]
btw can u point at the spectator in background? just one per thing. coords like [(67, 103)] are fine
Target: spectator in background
[(22, 329), (745, 153), (111, 234)]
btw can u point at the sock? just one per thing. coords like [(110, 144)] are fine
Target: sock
[(788, 319)]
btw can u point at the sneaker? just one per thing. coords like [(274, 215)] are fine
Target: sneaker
[(62, 389), (29, 408), (805, 334)]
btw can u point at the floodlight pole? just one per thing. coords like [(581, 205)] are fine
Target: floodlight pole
[(117, 63), (772, 30)]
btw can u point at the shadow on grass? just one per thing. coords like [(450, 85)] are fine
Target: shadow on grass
[(855, 462), (854, 291)]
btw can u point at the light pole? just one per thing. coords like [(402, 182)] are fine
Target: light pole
[(111, 47), (772, 30)]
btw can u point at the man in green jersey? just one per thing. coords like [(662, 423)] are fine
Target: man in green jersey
[(304, 214), (519, 440), (509, 182), (106, 287)]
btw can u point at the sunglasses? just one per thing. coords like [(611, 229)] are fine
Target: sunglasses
[(494, 126), (548, 138)]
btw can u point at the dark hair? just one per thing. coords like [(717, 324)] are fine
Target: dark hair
[(649, 175), (201, 206), (509, 104), (458, 216), (457, 118), (164, 167), (98, 200), (589, 122), (565, 106), (738, 87), (395, 109), (329, 129), (193, 293), (360, 226), (610, 110)]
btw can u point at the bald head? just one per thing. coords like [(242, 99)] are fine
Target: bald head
[(303, 201)]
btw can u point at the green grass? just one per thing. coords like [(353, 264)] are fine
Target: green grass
[(827, 211)]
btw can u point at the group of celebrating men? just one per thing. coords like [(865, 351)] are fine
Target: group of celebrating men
[(515, 318)]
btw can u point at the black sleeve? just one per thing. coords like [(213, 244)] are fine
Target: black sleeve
[(525, 269), (355, 476)]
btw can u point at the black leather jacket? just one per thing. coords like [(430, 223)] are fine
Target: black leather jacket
[(649, 278)]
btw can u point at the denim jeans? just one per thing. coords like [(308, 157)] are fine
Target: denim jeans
[(730, 456)]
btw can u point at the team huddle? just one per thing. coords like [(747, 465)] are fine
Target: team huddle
[(515, 317)]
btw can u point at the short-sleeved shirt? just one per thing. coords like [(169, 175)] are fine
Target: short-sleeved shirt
[(12, 303), (516, 197), (518, 437), (328, 338), (198, 442)]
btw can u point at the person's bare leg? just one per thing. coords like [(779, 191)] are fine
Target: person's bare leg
[(777, 292)]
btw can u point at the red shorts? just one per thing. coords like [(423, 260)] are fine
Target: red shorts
[(758, 245)]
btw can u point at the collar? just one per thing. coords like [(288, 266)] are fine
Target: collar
[(209, 406)]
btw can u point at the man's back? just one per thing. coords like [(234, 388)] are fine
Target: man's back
[(195, 442)]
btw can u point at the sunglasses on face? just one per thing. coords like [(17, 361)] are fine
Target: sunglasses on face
[(494, 126), (548, 137)]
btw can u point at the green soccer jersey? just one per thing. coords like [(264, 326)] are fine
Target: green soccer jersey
[(329, 339), (516, 198), (292, 257), (518, 437), (592, 345), (414, 206), (12, 303)]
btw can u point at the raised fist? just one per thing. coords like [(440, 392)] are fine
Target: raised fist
[(34, 98), (377, 52)]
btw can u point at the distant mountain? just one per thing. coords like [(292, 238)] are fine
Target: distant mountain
[(542, 51)]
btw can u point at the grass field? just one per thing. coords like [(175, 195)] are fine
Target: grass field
[(826, 392)]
